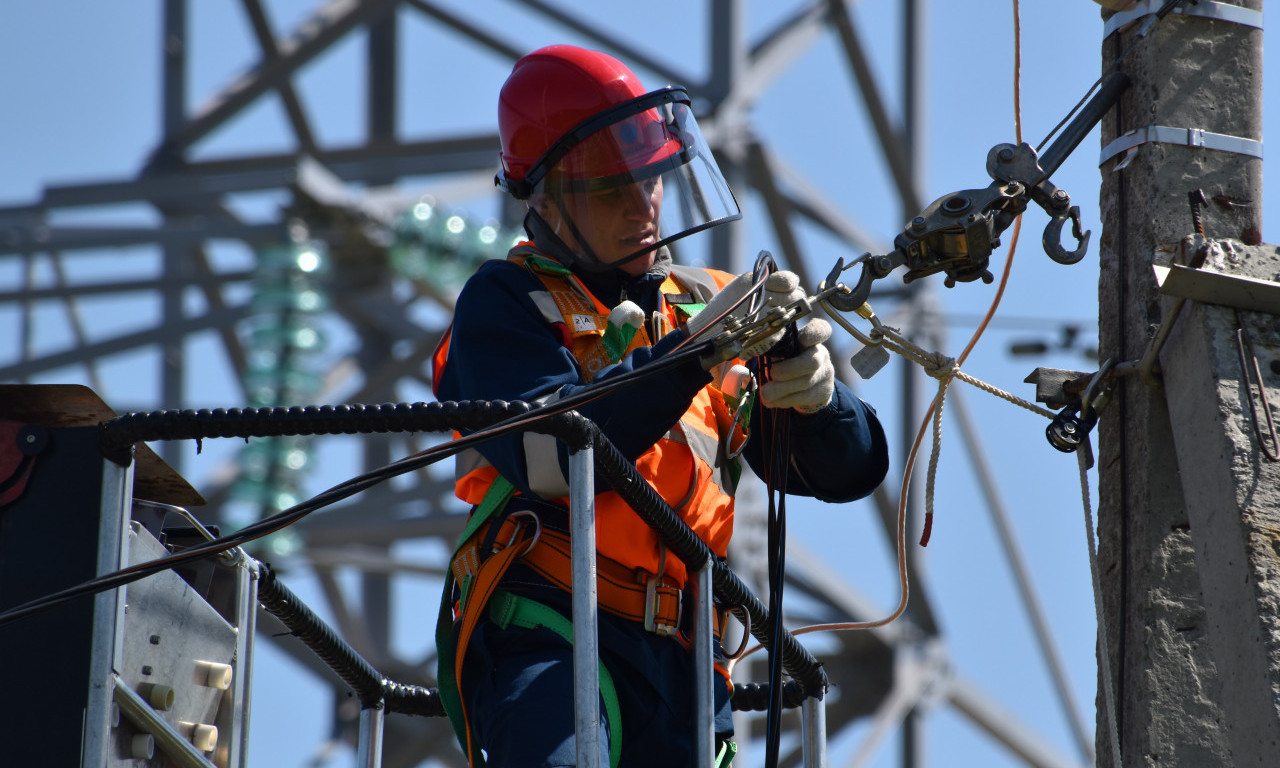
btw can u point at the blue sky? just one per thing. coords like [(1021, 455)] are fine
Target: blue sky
[(83, 106)]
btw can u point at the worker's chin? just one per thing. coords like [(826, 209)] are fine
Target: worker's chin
[(634, 266), (638, 266)]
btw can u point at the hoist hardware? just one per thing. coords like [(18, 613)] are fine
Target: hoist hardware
[(956, 233)]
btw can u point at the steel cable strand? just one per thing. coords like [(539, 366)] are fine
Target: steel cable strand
[(685, 544)]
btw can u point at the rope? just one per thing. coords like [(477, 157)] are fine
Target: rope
[(945, 370), (1108, 685)]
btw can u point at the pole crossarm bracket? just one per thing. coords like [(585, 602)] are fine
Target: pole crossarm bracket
[(1211, 287)]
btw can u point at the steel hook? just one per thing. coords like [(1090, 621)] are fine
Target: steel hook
[(1052, 239), (849, 302)]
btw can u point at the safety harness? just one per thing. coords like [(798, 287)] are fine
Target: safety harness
[(477, 583), (495, 539)]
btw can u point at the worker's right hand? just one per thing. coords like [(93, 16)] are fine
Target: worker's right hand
[(780, 288)]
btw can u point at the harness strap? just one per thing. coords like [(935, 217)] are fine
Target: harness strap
[(506, 609), (728, 750), (632, 594), (478, 583)]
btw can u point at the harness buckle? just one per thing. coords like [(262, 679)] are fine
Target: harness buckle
[(653, 607)]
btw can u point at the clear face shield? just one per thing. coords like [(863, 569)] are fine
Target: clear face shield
[(632, 180)]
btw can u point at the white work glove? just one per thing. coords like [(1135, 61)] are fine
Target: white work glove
[(804, 382), (780, 288)]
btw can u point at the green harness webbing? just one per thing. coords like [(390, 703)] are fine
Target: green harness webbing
[(505, 609), (495, 499)]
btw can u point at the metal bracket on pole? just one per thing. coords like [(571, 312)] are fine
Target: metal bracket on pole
[(586, 674), (172, 744), (1211, 287)]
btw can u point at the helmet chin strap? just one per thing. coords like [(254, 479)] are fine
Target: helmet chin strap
[(540, 231)]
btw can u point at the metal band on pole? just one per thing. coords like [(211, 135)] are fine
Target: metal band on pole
[(1187, 137), (1204, 8), (586, 675)]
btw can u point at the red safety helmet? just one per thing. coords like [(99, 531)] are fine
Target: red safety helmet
[(573, 120), (550, 92)]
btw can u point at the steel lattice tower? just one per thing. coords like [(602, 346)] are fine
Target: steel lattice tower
[(214, 216)]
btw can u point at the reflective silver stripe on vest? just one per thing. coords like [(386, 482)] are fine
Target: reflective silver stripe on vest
[(547, 306), (542, 459), (707, 449), (542, 462), (696, 281)]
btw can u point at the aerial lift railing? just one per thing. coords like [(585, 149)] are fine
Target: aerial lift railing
[(590, 450)]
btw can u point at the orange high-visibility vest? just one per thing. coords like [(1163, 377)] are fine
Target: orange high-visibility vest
[(687, 466)]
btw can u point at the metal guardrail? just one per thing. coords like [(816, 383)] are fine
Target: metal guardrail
[(590, 450)]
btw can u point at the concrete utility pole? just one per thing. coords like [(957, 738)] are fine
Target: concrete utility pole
[(1189, 520)]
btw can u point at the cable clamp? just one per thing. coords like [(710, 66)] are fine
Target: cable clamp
[(1233, 14), (1187, 137)]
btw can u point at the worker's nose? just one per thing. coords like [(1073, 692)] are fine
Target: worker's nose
[(637, 201)]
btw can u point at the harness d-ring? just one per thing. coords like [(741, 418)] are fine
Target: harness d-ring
[(537, 530)]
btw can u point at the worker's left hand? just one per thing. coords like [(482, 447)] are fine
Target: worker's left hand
[(780, 289), (807, 380)]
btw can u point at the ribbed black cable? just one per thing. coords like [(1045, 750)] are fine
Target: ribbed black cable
[(754, 697), (349, 665), (692, 550), (369, 684), (120, 434)]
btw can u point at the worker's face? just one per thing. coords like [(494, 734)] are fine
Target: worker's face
[(615, 222)]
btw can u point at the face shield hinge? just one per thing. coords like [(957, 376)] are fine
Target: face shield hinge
[(520, 189)]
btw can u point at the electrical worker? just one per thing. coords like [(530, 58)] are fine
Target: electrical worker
[(611, 174)]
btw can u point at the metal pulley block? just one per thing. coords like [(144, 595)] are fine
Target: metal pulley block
[(956, 233), (1069, 429)]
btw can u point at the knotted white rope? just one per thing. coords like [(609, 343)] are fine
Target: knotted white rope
[(945, 369)]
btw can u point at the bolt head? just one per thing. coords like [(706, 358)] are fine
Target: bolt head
[(1005, 155)]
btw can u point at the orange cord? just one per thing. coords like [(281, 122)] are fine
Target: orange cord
[(1004, 277), (903, 583)]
